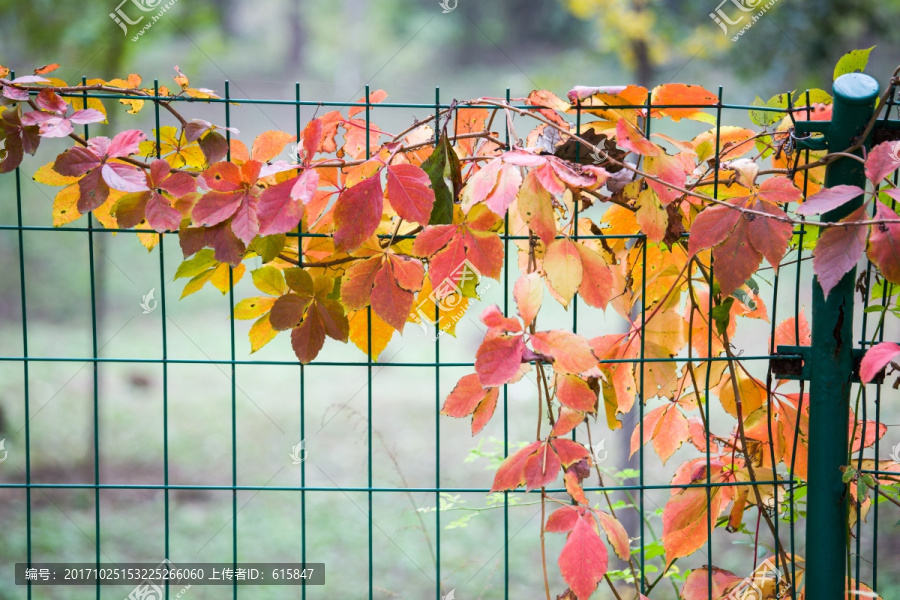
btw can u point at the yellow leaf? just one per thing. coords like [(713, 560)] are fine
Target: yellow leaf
[(149, 240), (453, 307), (261, 333), (220, 279), (752, 391), (103, 213), (269, 280), (48, 176), (65, 205), (251, 308), (196, 283), (359, 332)]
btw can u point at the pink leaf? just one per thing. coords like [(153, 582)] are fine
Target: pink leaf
[(882, 161), (828, 199), (124, 177), (125, 143), (876, 359)]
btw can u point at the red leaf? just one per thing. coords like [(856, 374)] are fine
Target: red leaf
[(498, 358), (770, 237), (567, 421), (569, 451), (575, 393), (562, 519), (884, 244), (571, 352), (278, 211), (357, 213), (541, 468), (711, 227), (432, 239), (390, 300), (882, 161), (670, 432), (288, 311), (356, 286), (779, 190), (485, 410), (409, 192), (93, 191), (308, 338), (76, 161), (584, 559), (511, 473), (160, 214), (736, 259), (494, 319), (215, 207), (838, 250), (876, 358), (313, 136), (465, 397), (222, 177), (828, 199)]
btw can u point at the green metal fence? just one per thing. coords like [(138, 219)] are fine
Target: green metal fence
[(827, 542)]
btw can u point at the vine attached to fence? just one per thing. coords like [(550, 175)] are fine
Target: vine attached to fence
[(399, 228)]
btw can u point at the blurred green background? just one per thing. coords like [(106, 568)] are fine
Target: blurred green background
[(333, 49)]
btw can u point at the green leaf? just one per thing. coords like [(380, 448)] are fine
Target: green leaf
[(268, 247), (816, 96), (444, 172), (854, 61), (203, 260), (269, 280), (722, 315)]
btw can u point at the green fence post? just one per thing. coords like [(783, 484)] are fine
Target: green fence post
[(831, 356)]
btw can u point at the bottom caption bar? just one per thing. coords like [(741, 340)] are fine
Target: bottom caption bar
[(158, 575)]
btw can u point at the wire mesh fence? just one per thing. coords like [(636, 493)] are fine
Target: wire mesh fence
[(496, 559)]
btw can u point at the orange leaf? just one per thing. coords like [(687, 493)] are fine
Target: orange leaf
[(571, 352), (575, 393), (269, 144)]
